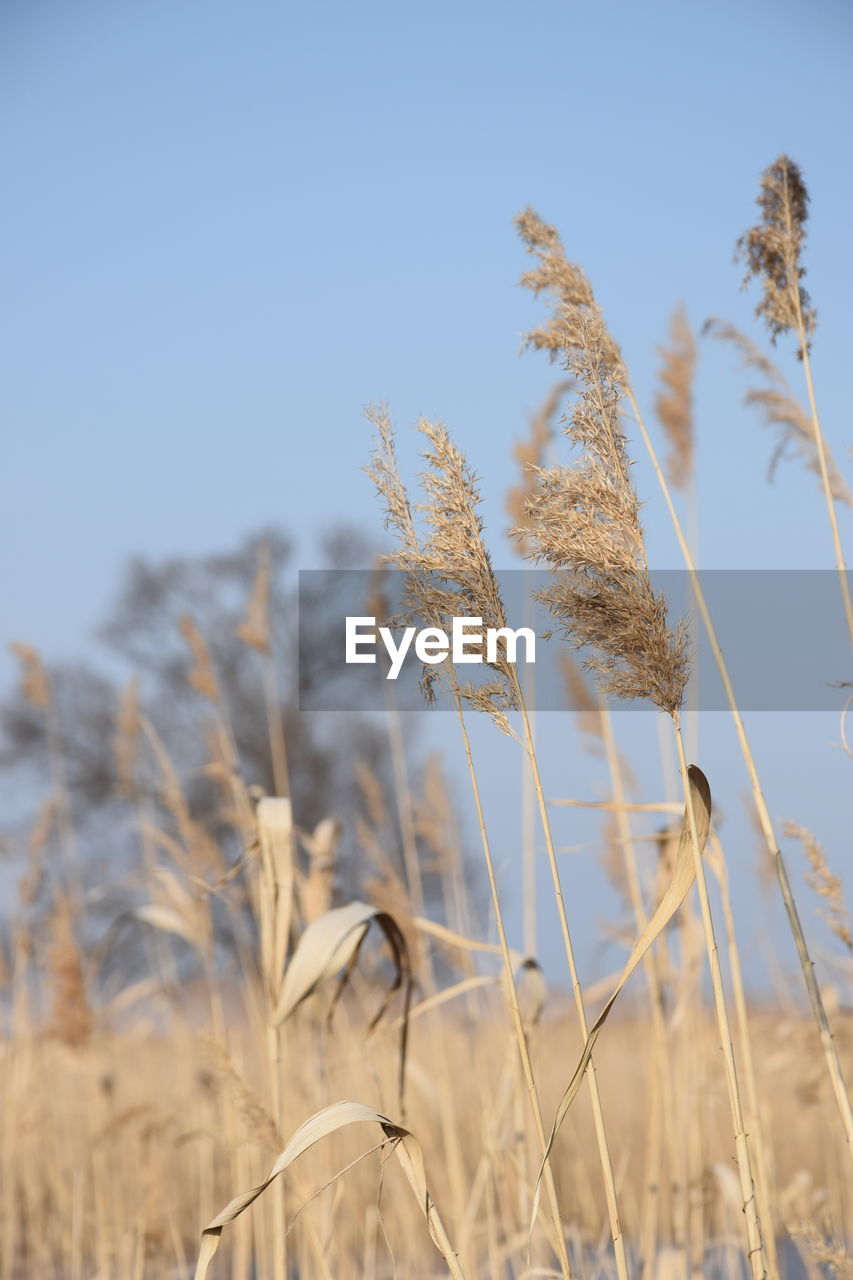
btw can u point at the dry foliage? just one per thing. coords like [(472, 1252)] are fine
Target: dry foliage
[(135, 1106)]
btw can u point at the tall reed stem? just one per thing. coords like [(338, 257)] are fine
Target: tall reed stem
[(820, 446), (275, 728), (512, 995), (763, 1189), (595, 1097), (750, 1208), (830, 1051), (662, 1115), (528, 819)]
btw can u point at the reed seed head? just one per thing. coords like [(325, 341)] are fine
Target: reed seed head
[(449, 572), (584, 519), (530, 453), (254, 630), (772, 250), (568, 288), (35, 682), (674, 400)]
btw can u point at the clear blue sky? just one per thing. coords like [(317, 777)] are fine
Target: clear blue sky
[(227, 226)]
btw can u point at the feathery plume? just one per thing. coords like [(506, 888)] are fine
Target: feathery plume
[(384, 473), (370, 787), (321, 845), (568, 288), (257, 1122), (448, 572), (780, 409), (824, 883), (772, 250), (71, 1012), (35, 683), (530, 453), (581, 701), (254, 630), (674, 401), (202, 676), (32, 881), (585, 518), (456, 558)]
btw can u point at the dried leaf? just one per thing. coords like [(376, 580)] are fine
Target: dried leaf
[(330, 944), (329, 1120), (683, 875)]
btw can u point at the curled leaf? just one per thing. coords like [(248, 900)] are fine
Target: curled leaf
[(329, 1120), (331, 944), (683, 875)]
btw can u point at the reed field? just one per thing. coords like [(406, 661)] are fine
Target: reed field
[(312, 1046)]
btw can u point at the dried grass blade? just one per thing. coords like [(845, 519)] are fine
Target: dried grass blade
[(329, 1120), (331, 943), (682, 879)]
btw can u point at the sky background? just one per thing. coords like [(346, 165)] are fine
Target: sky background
[(227, 227)]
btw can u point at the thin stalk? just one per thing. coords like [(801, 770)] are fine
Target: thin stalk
[(595, 1097), (528, 819), (65, 816), (661, 1118), (406, 817), (405, 808), (820, 443), (275, 728), (695, 1074), (275, 897), (512, 994), (762, 1167), (750, 1208), (830, 1051)]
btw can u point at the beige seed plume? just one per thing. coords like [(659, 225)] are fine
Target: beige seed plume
[(530, 453), (674, 400), (33, 879), (455, 554), (584, 519), (779, 409), (254, 630), (202, 676), (567, 287), (448, 571), (773, 247), (581, 701), (825, 884), (71, 1018), (35, 683)]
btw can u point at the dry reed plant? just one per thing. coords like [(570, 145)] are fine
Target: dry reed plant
[(454, 552), (255, 632), (134, 1122), (587, 528), (772, 251), (530, 454), (361, 1077), (572, 294)]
